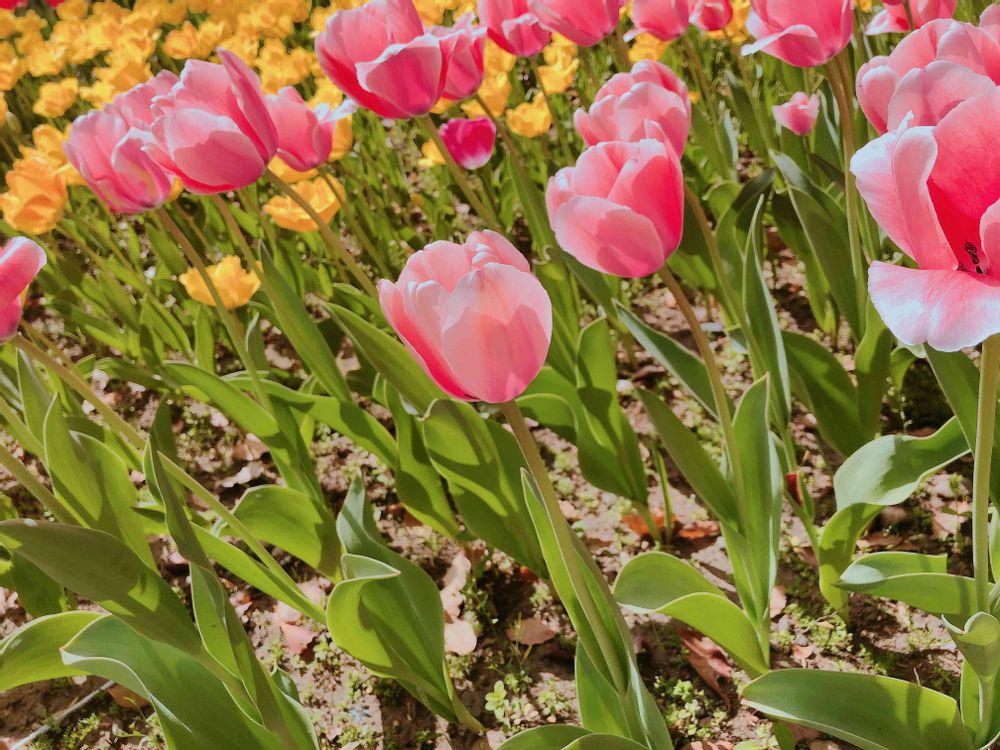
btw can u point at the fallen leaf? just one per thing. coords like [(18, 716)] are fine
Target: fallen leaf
[(460, 637), (694, 530), (126, 698), (778, 601), (707, 659), (802, 653), (824, 745), (708, 745), (531, 632), (297, 637), (249, 449), (245, 475)]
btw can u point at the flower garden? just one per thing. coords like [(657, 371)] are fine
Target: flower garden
[(511, 374)]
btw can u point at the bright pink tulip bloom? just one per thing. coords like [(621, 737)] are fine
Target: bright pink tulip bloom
[(583, 22), (712, 15), (930, 72), (380, 55), (892, 18), (798, 114), (213, 129), (20, 261), (513, 27), (303, 141), (473, 316), (935, 190), (620, 210), (462, 47), (803, 33), (649, 101), (106, 147), (665, 19), (470, 142)]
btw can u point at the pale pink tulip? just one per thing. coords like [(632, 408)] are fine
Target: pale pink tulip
[(380, 55), (583, 22), (930, 72), (664, 19), (892, 18), (620, 210), (712, 15), (473, 316), (799, 113), (212, 129), (106, 147), (303, 142), (803, 33), (935, 190), (649, 101), (462, 48), (20, 261), (470, 142), (513, 27)]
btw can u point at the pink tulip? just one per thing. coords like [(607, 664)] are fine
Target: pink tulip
[(892, 18), (930, 72), (513, 27), (473, 316), (665, 19), (649, 101), (583, 22), (106, 147), (213, 129), (462, 47), (20, 261), (803, 33), (799, 113), (380, 55), (303, 142), (935, 190), (620, 210), (470, 142), (712, 15)]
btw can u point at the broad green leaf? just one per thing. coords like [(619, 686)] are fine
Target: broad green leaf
[(658, 582), (99, 567), (922, 581), (694, 463), (978, 638), (195, 709), (387, 613), (824, 386), (872, 363), (874, 713), (675, 358), (481, 462), (817, 287), (552, 737), (295, 522), (31, 653)]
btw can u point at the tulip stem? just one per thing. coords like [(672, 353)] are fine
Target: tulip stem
[(909, 14), (332, 241), (988, 384), (730, 300), (229, 320), (715, 380), (566, 543)]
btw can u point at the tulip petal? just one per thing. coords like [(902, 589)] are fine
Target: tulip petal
[(20, 261), (10, 318), (947, 310), (409, 76)]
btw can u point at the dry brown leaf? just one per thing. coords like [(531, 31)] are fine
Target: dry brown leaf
[(694, 530), (531, 632), (707, 659), (126, 698), (709, 745), (249, 449), (779, 601)]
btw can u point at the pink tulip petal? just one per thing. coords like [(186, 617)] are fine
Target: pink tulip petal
[(410, 76), (10, 318), (189, 135), (609, 238), (932, 92), (20, 261)]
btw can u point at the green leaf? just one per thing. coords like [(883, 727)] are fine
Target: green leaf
[(658, 582), (195, 709), (686, 451), (552, 737), (874, 713), (31, 653), (675, 358), (817, 287), (387, 613), (922, 581), (99, 567), (481, 462), (823, 385)]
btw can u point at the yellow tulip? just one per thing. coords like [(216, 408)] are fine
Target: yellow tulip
[(55, 98), (555, 79), (11, 67), (3, 110), (185, 43), (287, 174), (343, 139), (47, 141), (7, 27), (431, 12), (279, 67), (36, 196), (318, 193), (432, 156), (736, 31), (496, 60), (495, 91), (646, 47), (326, 93), (530, 119), (560, 49), (234, 285)]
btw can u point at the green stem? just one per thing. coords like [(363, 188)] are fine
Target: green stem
[(330, 239), (988, 383), (564, 540), (730, 300), (987, 697), (458, 175), (909, 14)]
